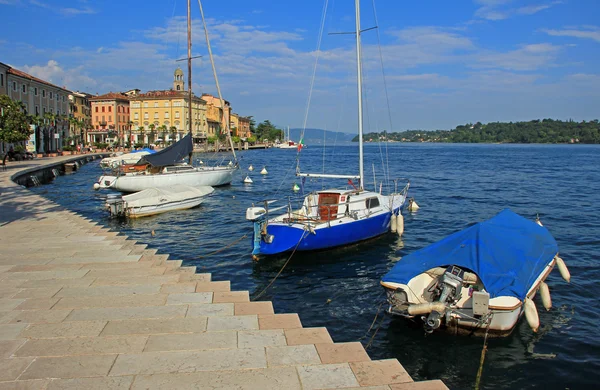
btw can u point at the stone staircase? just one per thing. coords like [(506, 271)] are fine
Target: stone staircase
[(82, 307)]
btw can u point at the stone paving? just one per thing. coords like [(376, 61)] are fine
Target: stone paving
[(82, 307)]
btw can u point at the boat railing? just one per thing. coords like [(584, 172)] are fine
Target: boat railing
[(401, 181)]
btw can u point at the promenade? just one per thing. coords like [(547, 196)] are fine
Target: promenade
[(82, 307)]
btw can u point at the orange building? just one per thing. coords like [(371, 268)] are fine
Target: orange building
[(110, 118)]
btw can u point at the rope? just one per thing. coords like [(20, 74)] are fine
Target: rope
[(483, 351), (225, 247), (282, 268), (373, 323)]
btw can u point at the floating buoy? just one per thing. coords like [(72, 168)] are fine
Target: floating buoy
[(201, 162), (230, 163), (545, 294), (531, 315), (250, 168), (96, 186), (393, 223), (296, 187), (152, 233), (400, 224), (264, 171), (247, 180), (562, 268), (412, 205)]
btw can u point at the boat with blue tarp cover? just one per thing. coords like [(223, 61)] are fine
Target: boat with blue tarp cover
[(482, 278)]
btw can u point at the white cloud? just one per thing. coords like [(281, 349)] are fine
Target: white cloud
[(526, 58), (56, 74), (587, 32), (504, 9)]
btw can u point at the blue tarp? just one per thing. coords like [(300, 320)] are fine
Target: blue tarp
[(507, 252), (172, 154)]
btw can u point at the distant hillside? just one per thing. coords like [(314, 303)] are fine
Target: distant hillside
[(536, 131), (315, 136)]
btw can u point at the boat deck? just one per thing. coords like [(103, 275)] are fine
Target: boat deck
[(84, 307)]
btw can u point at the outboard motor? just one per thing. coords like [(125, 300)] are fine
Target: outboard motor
[(449, 291)]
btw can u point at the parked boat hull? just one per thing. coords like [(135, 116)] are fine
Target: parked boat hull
[(287, 237), (145, 211), (213, 177)]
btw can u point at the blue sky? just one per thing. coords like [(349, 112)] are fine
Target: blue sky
[(446, 62)]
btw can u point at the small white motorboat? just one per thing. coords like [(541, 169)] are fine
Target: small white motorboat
[(120, 159), (156, 200), (480, 279)]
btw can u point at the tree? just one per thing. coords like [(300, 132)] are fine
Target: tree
[(173, 132), (14, 126), (141, 131), (266, 130)]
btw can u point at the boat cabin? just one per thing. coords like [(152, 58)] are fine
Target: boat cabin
[(329, 205)]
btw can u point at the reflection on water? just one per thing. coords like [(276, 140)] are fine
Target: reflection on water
[(455, 185)]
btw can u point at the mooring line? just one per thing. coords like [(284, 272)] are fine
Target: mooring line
[(483, 351), (282, 268)]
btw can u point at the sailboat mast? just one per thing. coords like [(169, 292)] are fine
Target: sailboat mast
[(360, 113), (189, 63)]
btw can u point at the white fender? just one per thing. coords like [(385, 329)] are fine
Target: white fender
[(96, 186), (426, 308), (264, 171), (400, 224), (545, 294), (531, 315), (393, 223), (562, 268)]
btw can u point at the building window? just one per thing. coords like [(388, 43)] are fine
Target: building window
[(166, 115), (135, 116), (166, 104), (14, 86), (109, 108), (43, 93), (103, 118), (96, 118), (24, 88), (51, 96), (96, 108), (156, 115), (35, 91), (1, 80), (145, 104), (145, 115), (103, 108), (37, 110), (110, 118), (176, 114), (155, 104)]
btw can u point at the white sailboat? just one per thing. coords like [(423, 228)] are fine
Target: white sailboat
[(333, 217), (287, 143), (165, 168)]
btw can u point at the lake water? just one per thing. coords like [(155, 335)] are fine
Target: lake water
[(455, 185)]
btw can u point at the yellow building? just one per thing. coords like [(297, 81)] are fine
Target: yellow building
[(80, 109), (162, 116), (217, 117)]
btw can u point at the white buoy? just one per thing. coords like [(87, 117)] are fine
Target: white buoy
[(296, 187), (247, 180), (562, 268), (531, 315), (545, 294), (412, 205), (400, 224), (264, 171), (250, 168), (393, 223), (96, 186), (230, 163), (201, 162)]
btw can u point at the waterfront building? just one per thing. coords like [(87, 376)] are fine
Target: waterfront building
[(80, 114), (47, 102), (110, 118), (234, 124), (244, 127), (217, 117), (163, 116)]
